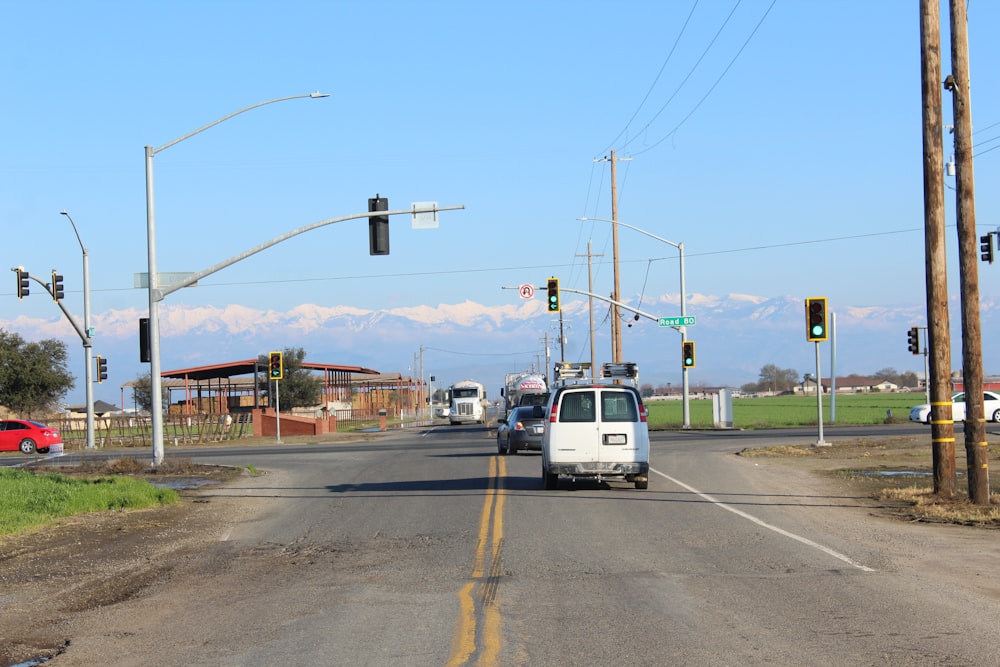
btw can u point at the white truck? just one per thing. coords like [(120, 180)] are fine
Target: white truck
[(524, 389), (467, 401)]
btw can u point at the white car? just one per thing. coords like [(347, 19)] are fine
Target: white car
[(991, 408)]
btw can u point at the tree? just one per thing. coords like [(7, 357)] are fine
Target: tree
[(647, 390), (33, 376), (777, 380), (142, 394), (300, 388)]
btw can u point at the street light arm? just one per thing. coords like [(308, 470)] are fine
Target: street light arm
[(75, 231), (315, 95), (641, 231)]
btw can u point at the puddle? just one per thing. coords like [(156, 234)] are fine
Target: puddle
[(184, 483)]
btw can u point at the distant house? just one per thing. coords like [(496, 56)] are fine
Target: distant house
[(101, 408), (851, 384)]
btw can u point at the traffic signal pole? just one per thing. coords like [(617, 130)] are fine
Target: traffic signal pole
[(819, 401), (85, 338)]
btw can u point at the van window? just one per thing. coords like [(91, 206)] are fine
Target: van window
[(577, 406), (618, 406)]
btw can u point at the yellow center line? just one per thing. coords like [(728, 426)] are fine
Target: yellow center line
[(490, 522)]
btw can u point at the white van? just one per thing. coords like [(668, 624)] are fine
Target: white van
[(596, 431)]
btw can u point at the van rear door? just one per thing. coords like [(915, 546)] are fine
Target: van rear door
[(618, 433), (578, 430)]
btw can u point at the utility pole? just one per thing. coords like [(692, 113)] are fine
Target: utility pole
[(590, 288), (616, 324), (976, 452), (936, 269)]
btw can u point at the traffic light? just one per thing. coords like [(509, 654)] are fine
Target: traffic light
[(102, 369), (687, 353), (22, 283), (57, 286), (816, 325), (553, 292), (913, 340), (276, 369), (986, 248), (378, 226), (144, 340)]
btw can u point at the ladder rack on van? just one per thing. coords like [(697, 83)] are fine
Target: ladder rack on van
[(628, 370), (568, 372), (577, 373)]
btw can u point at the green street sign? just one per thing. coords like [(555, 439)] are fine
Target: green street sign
[(686, 321)]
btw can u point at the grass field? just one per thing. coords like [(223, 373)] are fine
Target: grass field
[(785, 411)]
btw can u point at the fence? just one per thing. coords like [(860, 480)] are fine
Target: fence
[(135, 431)]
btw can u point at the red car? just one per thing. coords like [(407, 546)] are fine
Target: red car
[(29, 437)]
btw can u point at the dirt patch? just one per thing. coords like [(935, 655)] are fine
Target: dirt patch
[(103, 558), (898, 472)]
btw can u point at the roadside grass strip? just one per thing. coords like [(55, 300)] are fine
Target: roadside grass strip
[(29, 500)]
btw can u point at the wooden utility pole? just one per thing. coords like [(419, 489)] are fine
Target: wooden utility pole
[(936, 274), (616, 320), (590, 288), (976, 451)]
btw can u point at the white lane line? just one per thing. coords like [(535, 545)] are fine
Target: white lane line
[(764, 524)]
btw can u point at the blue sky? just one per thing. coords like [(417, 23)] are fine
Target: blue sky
[(779, 141)]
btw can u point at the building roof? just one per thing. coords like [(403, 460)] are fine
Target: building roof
[(247, 367)]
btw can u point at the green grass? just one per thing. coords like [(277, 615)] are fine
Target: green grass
[(28, 500), (787, 411)]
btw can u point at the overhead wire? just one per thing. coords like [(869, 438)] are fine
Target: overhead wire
[(656, 79), (690, 73), (714, 85)]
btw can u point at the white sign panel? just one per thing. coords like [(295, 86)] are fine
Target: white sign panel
[(427, 220)]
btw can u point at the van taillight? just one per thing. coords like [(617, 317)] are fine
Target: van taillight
[(643, 413), (552, 413)]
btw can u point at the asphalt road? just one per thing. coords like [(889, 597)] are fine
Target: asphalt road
[(426, 548)]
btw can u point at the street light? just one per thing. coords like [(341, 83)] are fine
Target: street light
[(155, 296), (88, 346), (681, 329)]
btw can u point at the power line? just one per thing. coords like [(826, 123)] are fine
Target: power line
[(690, 72), (655, 80), (714, 85)]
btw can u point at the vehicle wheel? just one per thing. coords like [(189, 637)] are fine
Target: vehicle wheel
[(550, 479), (27, 446), (500, 448), (511, 449), (928, 421), (643, 484), (996, 416)]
